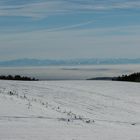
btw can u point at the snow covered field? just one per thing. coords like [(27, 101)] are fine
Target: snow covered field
[(69, 110)]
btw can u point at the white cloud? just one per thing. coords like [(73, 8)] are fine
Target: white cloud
[(44, 8), (71, 44)]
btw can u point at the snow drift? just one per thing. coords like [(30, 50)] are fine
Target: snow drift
[(69, 110)]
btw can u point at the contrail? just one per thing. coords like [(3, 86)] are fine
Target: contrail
[(70, 26)]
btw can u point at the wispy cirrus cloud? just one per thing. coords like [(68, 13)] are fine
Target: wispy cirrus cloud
[(69, 28), (44, 8), (106, 42)]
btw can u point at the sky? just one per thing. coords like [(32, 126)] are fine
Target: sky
[(67, 29)]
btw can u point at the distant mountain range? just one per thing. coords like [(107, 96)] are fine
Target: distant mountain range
[(49, 62)]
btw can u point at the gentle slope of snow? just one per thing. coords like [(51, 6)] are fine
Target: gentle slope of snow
[(69, 110)]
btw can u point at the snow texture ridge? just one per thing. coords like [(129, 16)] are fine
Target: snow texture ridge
[(69, 110)]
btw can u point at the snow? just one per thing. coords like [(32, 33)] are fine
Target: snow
[(69, 110)]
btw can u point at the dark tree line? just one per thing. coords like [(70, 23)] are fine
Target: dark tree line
[(135, 77), (17, 77)]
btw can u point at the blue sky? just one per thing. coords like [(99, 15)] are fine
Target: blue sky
[(65, 29)]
